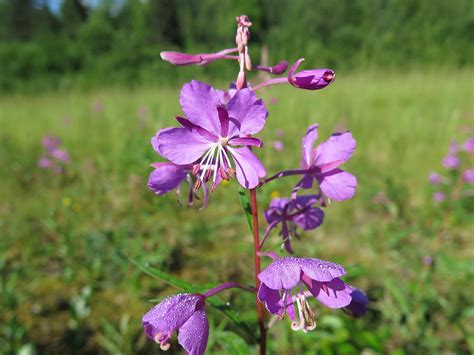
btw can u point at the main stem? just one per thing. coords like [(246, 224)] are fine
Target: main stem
[(256, 250)]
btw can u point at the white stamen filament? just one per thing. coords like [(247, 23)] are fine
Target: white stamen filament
[(214, 158)]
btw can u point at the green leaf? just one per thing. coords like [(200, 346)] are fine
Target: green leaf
[(232, 343), (214, 301), (244, 200)]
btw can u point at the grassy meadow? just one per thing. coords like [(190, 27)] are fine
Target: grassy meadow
[(67, 287)]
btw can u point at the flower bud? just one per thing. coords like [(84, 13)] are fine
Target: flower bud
[(177, 58), (278, 69), (314, 79)]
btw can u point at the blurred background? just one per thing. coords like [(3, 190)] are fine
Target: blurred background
[(72, 213)]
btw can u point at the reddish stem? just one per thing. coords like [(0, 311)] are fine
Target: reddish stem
[(256, 244)]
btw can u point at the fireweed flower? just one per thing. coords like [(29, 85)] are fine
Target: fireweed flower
[(468, 145), (314, 79), (439, 196), (54, 157), (292, 213), (184, 313), (451, 161), (468, 176), (283, 283), (435, 178), (214, 134)]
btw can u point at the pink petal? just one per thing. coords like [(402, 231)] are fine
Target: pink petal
[(271, 298), (181, 146), (338, 185), (249, 168), (308, 146), (336, 294), (166, 177), (193, 335), (335, 151), (249, 112), (283, 273), (199, 102)]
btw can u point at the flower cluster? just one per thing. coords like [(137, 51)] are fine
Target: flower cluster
[(215, 141), (53, 157), (459, 172)]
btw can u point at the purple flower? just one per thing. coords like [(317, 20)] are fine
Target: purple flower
[(358, 306), (435, 178), (439, 196), (292, 213), (183, 313), (283, 282), (322, 164), (50, 142), (215, 138), (451, 162), (278, 146), (468, 176), (468, 145), (45, 162), (314, 79), (60, 154)]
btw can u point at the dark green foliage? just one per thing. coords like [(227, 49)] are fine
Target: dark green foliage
[(82, 46)]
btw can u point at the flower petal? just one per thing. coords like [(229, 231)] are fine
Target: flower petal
[(166, 177), (181, 146), (338, 184), (249, 112), (170, 314), (312, 218), (321, 270), (358, 306), (333, 294), (308, 146), (282, 273), (199, 101), (335, 151), (271, 298), (248, 166), (193, 335)]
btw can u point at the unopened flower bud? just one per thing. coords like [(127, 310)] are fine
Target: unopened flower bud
[(177, 58), (278, 69), (314, 79)]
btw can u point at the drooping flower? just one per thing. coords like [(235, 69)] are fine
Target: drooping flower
[(215, 137), (322, 163), (358, 306), (184, 313), (283, 283), (468, 176), (292, 213), (314, 79)]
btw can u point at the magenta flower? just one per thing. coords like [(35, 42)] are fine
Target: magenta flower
[(435, 178), (451, 162), (439, 196), (54, 157), (468, 176), (358, 306), (283, 282), (314, 79), (278, 146), (468, 145), (215, 138), (292, 213), (50, 142), (183, 313), (322, 164)]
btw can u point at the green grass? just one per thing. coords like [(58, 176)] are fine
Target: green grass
[(65, 287)]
